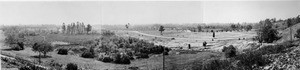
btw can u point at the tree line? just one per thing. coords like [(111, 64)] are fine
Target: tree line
[(78, 28)]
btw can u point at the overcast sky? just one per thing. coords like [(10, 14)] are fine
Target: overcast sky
[(144, 12)]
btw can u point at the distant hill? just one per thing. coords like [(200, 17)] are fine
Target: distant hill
[(285, 34)]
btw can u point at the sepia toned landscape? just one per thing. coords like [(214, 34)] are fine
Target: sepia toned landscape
[(270, 43)]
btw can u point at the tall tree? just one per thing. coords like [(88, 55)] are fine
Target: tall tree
[(289, 24), (248, 28), (126, 26), (233, 27), (266, 33), (161, 29), (63, 28), (89, 28), (199, 28)]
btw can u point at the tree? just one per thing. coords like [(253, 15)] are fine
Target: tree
[(63, 28), (298, 19), (233, 27), (161, 29), (199, 28), (127, 26), (266, 33), (42, 47), (88, 28), (297, 35), (289, 24), (248, 27)]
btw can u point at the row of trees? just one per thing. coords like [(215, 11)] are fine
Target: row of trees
[(78, 28), (241, 27), (200, 28)]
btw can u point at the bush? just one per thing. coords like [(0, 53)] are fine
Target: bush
[(142, 55), (249, 59), (165, 53), (71, 66), (216, 64), (121, 59), (62, 51), (297, 35), (21, 45), (273, 49), (229, 51), (31, 67), (16, 47), (87, 55), (106, 59)]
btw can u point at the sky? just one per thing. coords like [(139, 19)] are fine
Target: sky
[(144, 12)]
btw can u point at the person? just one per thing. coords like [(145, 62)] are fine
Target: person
[(204, 44), (189, 46)]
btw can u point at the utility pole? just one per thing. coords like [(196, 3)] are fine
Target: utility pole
[(163, 58)]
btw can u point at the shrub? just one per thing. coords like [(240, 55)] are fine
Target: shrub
[(216, 64), (21, 45), (121, 59), (55, 66), (172, 38), (229, 51), (83, 49), (87, 55), (31, 67), (71, 66), (16, 47), (62, 51), (249, 59), (165, 53), (142, 55), (107, 33), (272, 49), (297, 35), (106, 59)]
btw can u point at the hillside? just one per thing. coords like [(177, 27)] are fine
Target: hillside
[(285, 34)]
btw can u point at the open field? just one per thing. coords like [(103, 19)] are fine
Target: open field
[(177, 59), (182, 39)]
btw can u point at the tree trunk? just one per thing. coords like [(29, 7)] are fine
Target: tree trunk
[(163, 59), (291, 34), (39, 58), (45, 54)]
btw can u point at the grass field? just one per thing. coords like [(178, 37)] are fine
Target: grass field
[(172, 61), (182, 39)]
